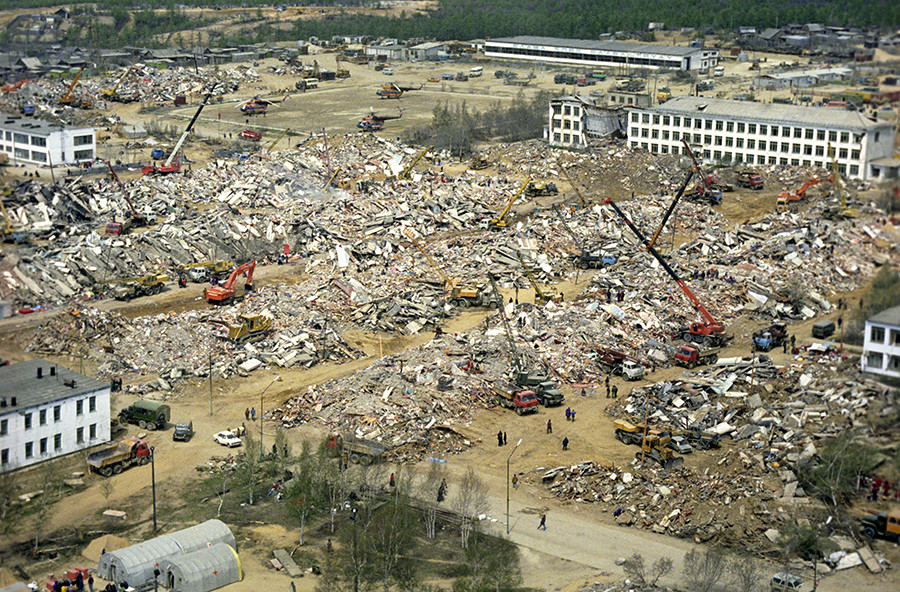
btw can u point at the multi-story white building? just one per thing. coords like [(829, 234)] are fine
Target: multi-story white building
[(587, 52), (575, 120), (727, 131), (32, 141), (48, 411), (881, 345)]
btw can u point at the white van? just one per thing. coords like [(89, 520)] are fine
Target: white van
[(477, 71), (388, 71), (719, 71)]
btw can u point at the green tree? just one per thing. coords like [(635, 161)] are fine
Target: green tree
[(834, 476), (492, 565)]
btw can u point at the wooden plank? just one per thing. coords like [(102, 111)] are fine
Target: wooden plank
[(289, 564)]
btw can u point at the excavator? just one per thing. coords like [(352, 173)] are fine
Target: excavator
[(541, 295), (782, 203), (708, 188), (110, 93), (135, 287), (501, 221), (69, 100), (171, 165), (588, 258), (406, 172), (710, 332), (460, 296), (201, 271), (225, 293), (134, 218), (842, 211), (338, 71)]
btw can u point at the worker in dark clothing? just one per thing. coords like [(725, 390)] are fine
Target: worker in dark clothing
[(500, 438), (549, 427), (543, 524), (615, 392), (565, 443)]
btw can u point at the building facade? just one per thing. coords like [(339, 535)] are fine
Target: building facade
[(47, 411), (574, 121), (32, 141), (586, 52), (727, 131), (881, 344)]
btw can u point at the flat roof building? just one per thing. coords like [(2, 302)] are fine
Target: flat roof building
[(48, 411), (587, 52), (574, 121), (881, 344), (727, 131), (33, 141)]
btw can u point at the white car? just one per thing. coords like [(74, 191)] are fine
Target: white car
[(227, 438)]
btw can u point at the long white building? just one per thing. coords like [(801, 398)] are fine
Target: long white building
[(586, 52), (881, 344), (726, 131), (32, 141), (48, 411)]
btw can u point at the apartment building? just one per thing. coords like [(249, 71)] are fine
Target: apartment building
[(48, 411), (32, 141), (576, 120), (881, 344), (728, 131)]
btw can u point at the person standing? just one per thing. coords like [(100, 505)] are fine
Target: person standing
[(543, 524), (247, 413), (515, 481), (253, 414), (549, 427), (91, 582), (607, 390), (615, 392), (500, 438), (568, 413), (573, 415), (504, 438), (565, 444)]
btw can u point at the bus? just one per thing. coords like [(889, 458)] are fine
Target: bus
[(476, 71)]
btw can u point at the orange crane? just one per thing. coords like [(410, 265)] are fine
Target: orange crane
[(710, 332), (68, 99), (224, 294)]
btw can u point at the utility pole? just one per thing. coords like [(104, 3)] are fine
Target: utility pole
[(153, 481), (507, 482)]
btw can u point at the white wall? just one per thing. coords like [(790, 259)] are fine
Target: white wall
[(881, 355)]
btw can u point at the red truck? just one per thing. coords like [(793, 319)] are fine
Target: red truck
[(691, 357), (749, 179), (119, 456), (249, 134), (522, 401)]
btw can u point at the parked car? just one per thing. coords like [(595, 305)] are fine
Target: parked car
[(227, 438), (183, 431), (785, 582), (680, 445)]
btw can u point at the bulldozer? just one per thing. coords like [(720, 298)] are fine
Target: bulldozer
[(248, 328), (478, 163), (655, 447), (540, 189)]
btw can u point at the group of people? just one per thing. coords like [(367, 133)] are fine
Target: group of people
[(69, 585), (872, 485), (501, 438), (620, 295)]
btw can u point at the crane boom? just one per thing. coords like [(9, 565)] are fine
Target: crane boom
[(705, 181), (188, 130), (513, 350), (541, 297), (711, 327), (671, 208), (67, 98), (566, 226), (500, 221), (575, 188), (448, 281), (111, 92), (419, 156), (278, 139)]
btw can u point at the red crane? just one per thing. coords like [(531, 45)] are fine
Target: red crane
[(711, 332), (224, 294), (708, 186)]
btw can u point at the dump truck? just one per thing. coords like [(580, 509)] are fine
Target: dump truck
[(135, 287), (631, 370), (148, 415), (771, 337), (613, 361), (464, 296), (521, 401), (355, 450), (113, 459), (629, 433), (691, 356), (749, 179), (885, 525)]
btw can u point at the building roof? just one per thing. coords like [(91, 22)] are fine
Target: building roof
[(770, 113), (814, 73), (890, 316), (21, 381), (600, 45), (429, 45), (770, 33), (35, 127)]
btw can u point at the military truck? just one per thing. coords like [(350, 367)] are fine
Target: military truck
[(549, 394), (539, 189), (355, 450), (148, 415), (885, 525)]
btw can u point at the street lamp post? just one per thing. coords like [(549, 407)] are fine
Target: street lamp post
[(274, 380), (508, 458), (153, 482)]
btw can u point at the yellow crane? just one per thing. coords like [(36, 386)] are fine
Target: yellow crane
[(278, 139), (574, 187), (842, 211), (340, 72), (501, 221), (409, 168), (541, 295), (68, 99), (109, 93)]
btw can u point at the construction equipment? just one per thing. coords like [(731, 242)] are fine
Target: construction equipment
[(541, 295), (113, 459), (540, 189), (630, 433), (885, 525), (355, 450), (710, 332), (110, 93), (706, 189), (68, 99), (501, 221), (172, 166), (691, 357), (842, 211), (459, 296), (202, 271), (248, 328), (656, 447), (225, 294), (406, 172), (133, 217), (612, 361), (521, 402), (276, 140), (574, 187), (135, 287), (478, 163), (782, 203), (702, 440), (749, 179), (588, 258), (671, 209), (338, 71), (771, 337)]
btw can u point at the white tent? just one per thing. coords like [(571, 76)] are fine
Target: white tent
[(201, 571), (135, 564)]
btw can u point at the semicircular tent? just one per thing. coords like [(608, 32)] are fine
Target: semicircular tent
[(135, 564), (203, 570)]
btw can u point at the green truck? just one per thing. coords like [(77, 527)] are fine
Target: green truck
[(149, 415)]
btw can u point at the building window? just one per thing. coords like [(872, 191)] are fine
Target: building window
[(20, 138), (633, 134), (574, 125), (29, 449), (706, 154), (84, 140), (729, 127), (645, 118), (557, 123), (751, 144), (665, 149), (42, 417), (675, 150), (719, 125), (655, 134), (8, 136), (79, 407), (567, 138), (4, 456), (854, 170), (807, 150), (676, 121), (809, 134), (27, 421), (820, 151), (763, 129), (634, 144), (43, 446), (750, 159), (894, 363), (857, 138), (666, 120), (877, 136), (751, 128), (57, 442), (795, 162), (729, 141), (854, 154), (21, 153), (774, 130), (79, 436), (697, 139), (36, 141), (798, 133), (84, 155), (708, 139), (832, 136), (645, 133), (795, 148), (820, 135), (845, 137), (727, 157), (876, 334), (675, 136), (698, 124), (785, 132), (654, 148), (895, 337), (842, 153), (717, 154), (567, 110), (645, 146), (874, 360), (634, 118), (782, 160), (4, 427), (92, 404), (556, 137), (740, 128), (57, 412), (656, 119), (709, 124), (576, 111), (772, 160), (92, 430), (665, 135)]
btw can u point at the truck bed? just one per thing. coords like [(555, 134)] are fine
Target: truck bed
[(97, 459)]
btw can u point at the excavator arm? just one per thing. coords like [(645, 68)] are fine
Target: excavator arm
[(188, 130), (711, 322), (562, 220), (111, 92), (67, 98), (278, 139), (513, 350), (704, 180)]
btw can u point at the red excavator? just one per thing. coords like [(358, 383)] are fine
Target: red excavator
[(224, 294)]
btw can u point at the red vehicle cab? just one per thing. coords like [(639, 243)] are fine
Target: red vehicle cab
[(249, 134)]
